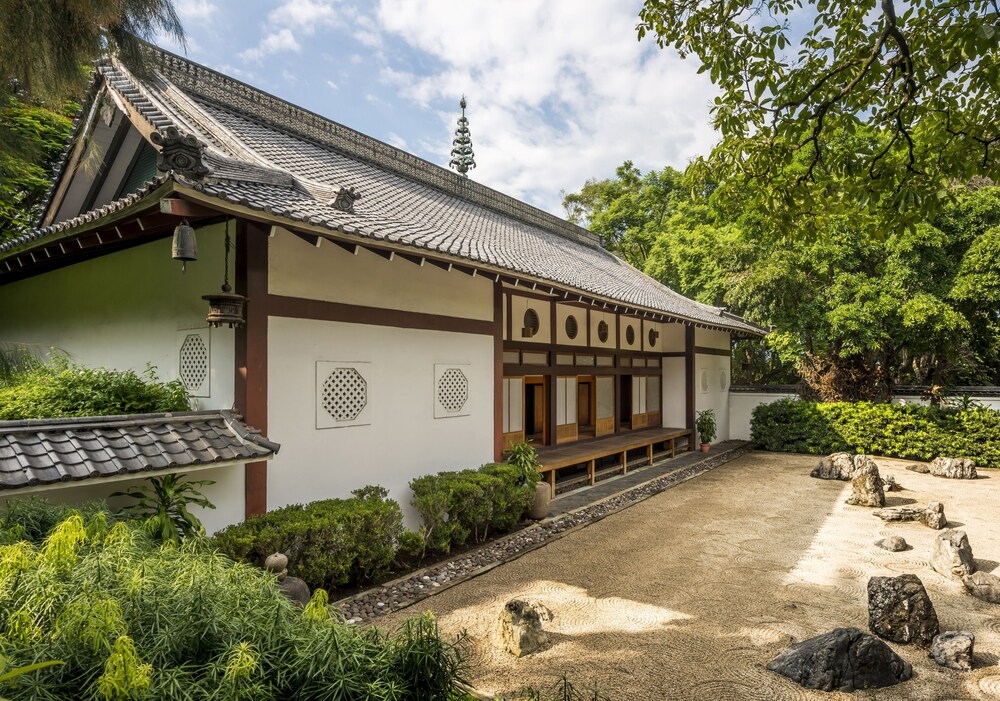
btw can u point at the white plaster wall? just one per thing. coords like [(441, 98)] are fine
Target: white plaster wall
[(403, 439), (123, 310), (674, 403), (596, 317), (741, 406), (299, 269), (518, 306), (563, 311), (672, 338), (716, 370), (227, 494), (708, 338)]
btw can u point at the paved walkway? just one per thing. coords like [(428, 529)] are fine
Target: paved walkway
[(584, 496)]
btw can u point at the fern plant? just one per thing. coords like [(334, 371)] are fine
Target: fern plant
[(163, 507)]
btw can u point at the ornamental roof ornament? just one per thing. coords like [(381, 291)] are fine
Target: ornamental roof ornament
[(181, 153), (462, 158)]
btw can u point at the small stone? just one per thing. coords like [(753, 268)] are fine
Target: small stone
[(866, 486), (845, 659), (277, 564), (954, 649), (894, 543), (933, 516), (954, 468), (983, 585), (296, 590), (952, 554), (521, 631), (918, 467), (900, 610)]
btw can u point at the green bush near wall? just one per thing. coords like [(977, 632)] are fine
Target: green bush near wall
[(459, 507), (330, 543), (907, 431)]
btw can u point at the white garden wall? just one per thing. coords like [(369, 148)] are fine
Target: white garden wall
[(711, 390)]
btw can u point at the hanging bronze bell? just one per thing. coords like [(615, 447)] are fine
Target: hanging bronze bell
[(185, 245)]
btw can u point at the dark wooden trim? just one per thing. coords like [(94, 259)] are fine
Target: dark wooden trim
[(510, 318), (498, 302), (251, 349), (673, 354), (320, 310), (529, 294), (553, 377), (712, 351), (689, 376), (514, 370)]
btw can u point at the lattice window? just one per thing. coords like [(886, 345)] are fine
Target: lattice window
[(194, 361), (345, 394), (653, 336), (704, 381), (602, 331), (531, 323), (453, 390), (723, 379), (630, 335), (572, 329)]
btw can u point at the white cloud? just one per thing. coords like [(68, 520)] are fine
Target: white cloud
[(195, 10), (275, 42), (397, 140), (304, 15), (333, 86), (557, 93)]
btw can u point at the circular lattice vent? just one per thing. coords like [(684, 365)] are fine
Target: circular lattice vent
[(602, 331), (653, 335), (193, 362), (531, 323), (453, 390), (572, 329), (345, 394), (630, 335)]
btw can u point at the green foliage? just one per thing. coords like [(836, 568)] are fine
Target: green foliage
[(33, 518), (705, 423), (456, 507), (888, 102), (893, 430), (524, 458), (131, 619), (330, 543), (61, 389), (8, 675), (562, 690), (162, 506)]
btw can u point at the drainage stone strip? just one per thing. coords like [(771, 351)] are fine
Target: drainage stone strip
[(410, 589)]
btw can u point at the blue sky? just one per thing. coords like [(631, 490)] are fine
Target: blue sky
[(559, 91)]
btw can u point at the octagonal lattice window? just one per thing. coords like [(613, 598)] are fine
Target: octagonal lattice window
[(453, 390), (345, 394), (194, 361)]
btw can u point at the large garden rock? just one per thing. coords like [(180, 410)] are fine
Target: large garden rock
[(954, 468), (983, 585), (919, 467), (845, 659), (296, 590), (952, 554), (893, 543), (900, 610), (866, 486), (954, 649), (932, 517), (521, 631), (837, 466)]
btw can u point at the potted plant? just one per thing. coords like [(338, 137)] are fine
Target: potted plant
[(705, 424), (524, 457)]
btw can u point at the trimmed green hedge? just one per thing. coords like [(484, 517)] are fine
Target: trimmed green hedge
[(905, 431), (329, 543), (458, 506)]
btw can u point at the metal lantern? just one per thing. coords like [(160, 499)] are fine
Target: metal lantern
[(226, 307), (185, 245)]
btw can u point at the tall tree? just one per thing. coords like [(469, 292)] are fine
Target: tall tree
[(796, 76)]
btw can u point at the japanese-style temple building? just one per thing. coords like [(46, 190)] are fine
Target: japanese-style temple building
[(400, 318)]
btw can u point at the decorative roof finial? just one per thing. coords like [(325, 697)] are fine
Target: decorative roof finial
[(462, 158)]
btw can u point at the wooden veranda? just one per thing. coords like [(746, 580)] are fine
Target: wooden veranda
[(588, 452)]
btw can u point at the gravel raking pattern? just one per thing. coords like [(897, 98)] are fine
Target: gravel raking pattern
[(408, 590)]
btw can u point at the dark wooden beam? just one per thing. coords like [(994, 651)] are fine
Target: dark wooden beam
[(498, 301), (178, 207)]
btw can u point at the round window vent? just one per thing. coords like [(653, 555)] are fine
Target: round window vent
[(653, 336), (602, 331), (572, 329), (630, 335), (531, 324)]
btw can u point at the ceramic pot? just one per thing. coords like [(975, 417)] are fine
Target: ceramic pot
[(543, 497), (705, 447)]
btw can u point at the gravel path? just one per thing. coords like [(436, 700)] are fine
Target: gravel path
[(688, 594)]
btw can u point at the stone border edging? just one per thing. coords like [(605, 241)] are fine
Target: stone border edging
[(414, 587)]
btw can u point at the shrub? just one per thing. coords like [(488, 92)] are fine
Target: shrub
[(61, 389), (458, 506), (905, 431), (524, 457), (329, 543), (131, 619), (33, 518), (162, 506)]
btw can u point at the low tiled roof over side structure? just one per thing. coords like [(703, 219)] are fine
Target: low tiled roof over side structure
[(51, 451)]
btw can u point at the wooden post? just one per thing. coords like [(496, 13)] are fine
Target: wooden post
[(591, 472), (649, 454), (625, 462), (689, 375)]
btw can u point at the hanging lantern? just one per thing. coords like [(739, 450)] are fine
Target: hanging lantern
[(185, 245), (226, 307)]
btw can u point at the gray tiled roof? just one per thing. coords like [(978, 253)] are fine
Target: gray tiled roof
[(50, 451), (253, 137)]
